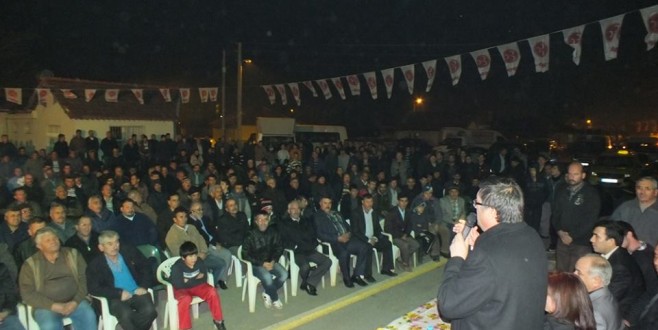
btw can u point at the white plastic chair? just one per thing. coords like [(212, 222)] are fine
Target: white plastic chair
[(235, 265), (32, 323), (251, 282), (171, 306), (333, 270), (107, 321), (294, 271), (396, 250)]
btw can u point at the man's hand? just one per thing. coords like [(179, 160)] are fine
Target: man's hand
[(57, 308), (344, 238), (459, 246), (200, 276), (125, 295), (70, 307), (202, 255), (373, 240), (141, 291), (3, 315), (565, 237)]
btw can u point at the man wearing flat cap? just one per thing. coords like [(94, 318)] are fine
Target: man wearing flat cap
[(453, 206)]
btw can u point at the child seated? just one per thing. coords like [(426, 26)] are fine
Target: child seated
[(189, 279)]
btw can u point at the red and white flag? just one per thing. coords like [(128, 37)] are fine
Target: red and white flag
[(482, 60), (650, 19), (430, 71), (184, 95), (371, 80), (14, 95), (324, 87), (339, 86), (42, 93), (111, 95), (68, 94), (611, 29), (455, 66), (270, 93), (541, 52), (389, 79), (574, 38), (409, 73), (203, 94), (282, 92), (89, 94), (511, 56), (166, 95), (355, 85), (311, 87), (139, 95), (212, 92), (294, 88)]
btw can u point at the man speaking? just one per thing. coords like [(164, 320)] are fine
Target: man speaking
[(501, 282)]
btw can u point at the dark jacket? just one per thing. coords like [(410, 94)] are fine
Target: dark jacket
[(100, 280), (139, 231), (298, 235), (180, 272), (262, 246), (358, 224), (325, 227), (627, 282), (101, 221), (395, 225), (231, 231), (552, 323), (577, 214), (8, 290), (88, 251), (501, 284)]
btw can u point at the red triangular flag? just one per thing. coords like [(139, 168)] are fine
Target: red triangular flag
[(42, 93), (89, 94), (482, 60), (574, 38), (139, 95), (389, 79), (511, 56), (185, 95), (203, 94), (409, 74), (541, 52), (455, 65), (270, 93), (212, 91), (371, 79), (111, 95), (430, 71), (355, 85), (68, 94), (324, 87), (309, 85), (294, 88), (339, 86), (611, 28), (650, 19), (166, 95), (282, 92)]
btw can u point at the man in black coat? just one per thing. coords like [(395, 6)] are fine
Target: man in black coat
[(366, 228), (501, 283), (122, 275), (298, 234), (627, 282)]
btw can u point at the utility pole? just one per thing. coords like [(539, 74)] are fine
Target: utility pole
[(239, 96), (223, 106)]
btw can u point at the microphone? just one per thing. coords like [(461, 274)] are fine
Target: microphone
[(471, 220)]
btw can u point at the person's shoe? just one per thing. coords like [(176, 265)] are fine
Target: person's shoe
[(277, 304), (436, 258), (267, 300), (358, 280), (219, 325), (445, 255), (348, 283), (222, 285), (388, 273), (370, 279), (311, 290)]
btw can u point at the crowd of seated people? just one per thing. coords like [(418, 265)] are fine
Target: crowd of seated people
[(164, 192)]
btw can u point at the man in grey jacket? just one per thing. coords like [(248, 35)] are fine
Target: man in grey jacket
[(596, 272)]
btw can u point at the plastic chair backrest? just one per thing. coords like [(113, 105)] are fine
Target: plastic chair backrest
[(150, 251), (165, 269)]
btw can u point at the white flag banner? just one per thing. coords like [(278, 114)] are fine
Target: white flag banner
[(184, 95), (311, 87), (389, 79), (650, 19), (89, 94), (212, 92), (282, 92), (611, 29), (324, 87), (166, 95), (139, 95), (203, 94), (14, 95), (541, 52), (294, 88), (371, 80), (339, 86), (511, 56), (68, 94), (355, 85), (455, 66), (269, 90), (42, 93), (574, 38), (482, 60), (430, 71), (111, 95), (409, 73)]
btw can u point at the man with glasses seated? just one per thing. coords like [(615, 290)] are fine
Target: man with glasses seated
[(122, 276)]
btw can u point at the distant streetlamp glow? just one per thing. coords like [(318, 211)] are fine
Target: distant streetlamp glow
[(247, 61), (419, 100)]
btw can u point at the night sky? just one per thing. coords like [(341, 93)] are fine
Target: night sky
[(179, 43)]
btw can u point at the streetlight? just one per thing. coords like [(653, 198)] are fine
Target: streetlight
[(418, 102)]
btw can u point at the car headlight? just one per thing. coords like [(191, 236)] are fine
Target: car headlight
[(594, 174)]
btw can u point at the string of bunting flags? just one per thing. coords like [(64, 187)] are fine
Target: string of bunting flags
[(509, 52), (206, 94)]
